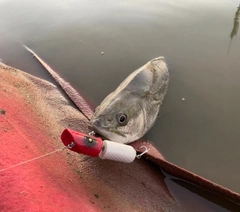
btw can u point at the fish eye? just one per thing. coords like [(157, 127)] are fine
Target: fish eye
[(122, 119)]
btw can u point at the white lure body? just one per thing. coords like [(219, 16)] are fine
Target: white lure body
[(117, 152)]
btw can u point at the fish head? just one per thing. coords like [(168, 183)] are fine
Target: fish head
[(120, 120)]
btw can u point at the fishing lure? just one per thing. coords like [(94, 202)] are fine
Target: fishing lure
[(90, 145)]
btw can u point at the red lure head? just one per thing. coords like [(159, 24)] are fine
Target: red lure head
[(82, 143)]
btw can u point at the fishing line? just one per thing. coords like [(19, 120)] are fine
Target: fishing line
[(30, 160)]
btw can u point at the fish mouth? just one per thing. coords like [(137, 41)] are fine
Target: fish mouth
[(106, 131), (98, 130)]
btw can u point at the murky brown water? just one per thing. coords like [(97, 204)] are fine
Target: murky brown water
[(202, 133)]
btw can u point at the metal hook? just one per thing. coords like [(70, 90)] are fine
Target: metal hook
[(92, 133), (71, 145), (145, 151)]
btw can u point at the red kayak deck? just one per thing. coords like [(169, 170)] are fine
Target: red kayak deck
[(48, 184)]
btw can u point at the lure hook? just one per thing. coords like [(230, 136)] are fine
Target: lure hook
[(92, 133), (145, 151)]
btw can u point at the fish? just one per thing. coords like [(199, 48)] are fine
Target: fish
[(130, 111)]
